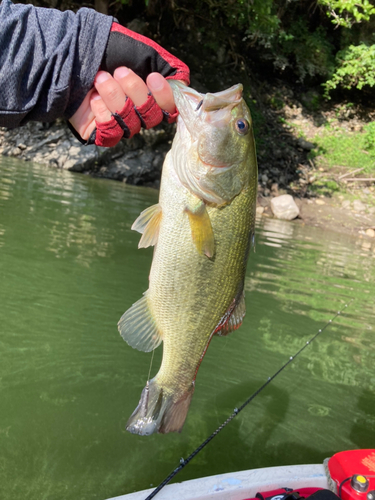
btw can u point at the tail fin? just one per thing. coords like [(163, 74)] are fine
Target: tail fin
[(158, 412)]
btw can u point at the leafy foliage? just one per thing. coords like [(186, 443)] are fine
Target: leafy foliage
[(348, 12), (316, 40), (312, 50), (355, 68)]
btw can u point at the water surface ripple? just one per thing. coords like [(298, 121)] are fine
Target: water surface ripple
[(69, 267)]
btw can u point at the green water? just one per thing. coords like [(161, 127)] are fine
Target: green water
[(69, 267)]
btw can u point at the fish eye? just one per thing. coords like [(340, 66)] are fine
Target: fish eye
[(242, 126)]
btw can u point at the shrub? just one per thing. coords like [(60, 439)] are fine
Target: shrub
[(355, 68), (345, 13)]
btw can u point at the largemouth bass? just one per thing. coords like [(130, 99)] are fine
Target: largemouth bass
[(202, 229)]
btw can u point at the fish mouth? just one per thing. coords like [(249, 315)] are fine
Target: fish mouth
[(195, 108), (222, 100)]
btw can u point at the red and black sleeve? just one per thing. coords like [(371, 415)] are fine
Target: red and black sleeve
[(142, 55)]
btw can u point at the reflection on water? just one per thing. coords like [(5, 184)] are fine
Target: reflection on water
[(312, 274), (69, 267), (314, 280)]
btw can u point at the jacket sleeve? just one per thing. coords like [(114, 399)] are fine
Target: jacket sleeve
[(48, 61)]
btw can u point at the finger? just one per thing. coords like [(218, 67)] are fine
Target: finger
[(132, 85), (135, 88), (99, 108), (110, 91), (161, 91), (83, 117)]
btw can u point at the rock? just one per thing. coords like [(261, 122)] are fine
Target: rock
[(370, 232), (345, 204), (63, 147), (136, 167), (306, 145), (80, 158), (61, 160), (259, 210), (275, 189), (320, 202), (152, 137), (371, 210), (264, 178), (50, 138), (5, 151), (284, 207), (358, 206), (75, 150), (366, 245), (15, 152)]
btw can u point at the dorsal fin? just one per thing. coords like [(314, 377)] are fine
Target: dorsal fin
[(201, 229), (138, 328), (235, 318), (148, 224)]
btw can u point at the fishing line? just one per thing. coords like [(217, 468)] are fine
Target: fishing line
[(236, 411), (149, 371)]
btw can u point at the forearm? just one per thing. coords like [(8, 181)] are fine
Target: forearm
[(48, 61)]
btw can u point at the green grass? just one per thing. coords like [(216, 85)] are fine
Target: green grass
[(345, 149), (324, 187)]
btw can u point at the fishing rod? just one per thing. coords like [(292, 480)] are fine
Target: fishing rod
[(236, 411)]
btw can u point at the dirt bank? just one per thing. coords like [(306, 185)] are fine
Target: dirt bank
[(335, 214)]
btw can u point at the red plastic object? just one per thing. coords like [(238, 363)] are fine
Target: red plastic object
[(354, 474), (281, 492)]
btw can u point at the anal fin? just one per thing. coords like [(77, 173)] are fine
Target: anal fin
[(232, 320), (148, 224), (138, 328)]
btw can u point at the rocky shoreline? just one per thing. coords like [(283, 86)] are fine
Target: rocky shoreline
[(140, 159), (139, 162), (136, 161)]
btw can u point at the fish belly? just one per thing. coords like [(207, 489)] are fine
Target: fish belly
[(190, 293)]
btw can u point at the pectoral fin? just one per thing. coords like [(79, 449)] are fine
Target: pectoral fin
[(201, 229), (234, 320), (148, 224), (138, 328)]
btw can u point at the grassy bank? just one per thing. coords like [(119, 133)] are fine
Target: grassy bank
[(338, 147)]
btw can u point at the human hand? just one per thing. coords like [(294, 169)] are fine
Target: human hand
[(127, 96), (119, 106)]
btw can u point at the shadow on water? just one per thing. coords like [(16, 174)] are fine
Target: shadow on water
[(249, 441)]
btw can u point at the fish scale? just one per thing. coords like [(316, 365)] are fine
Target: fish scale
[(202, 229)]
